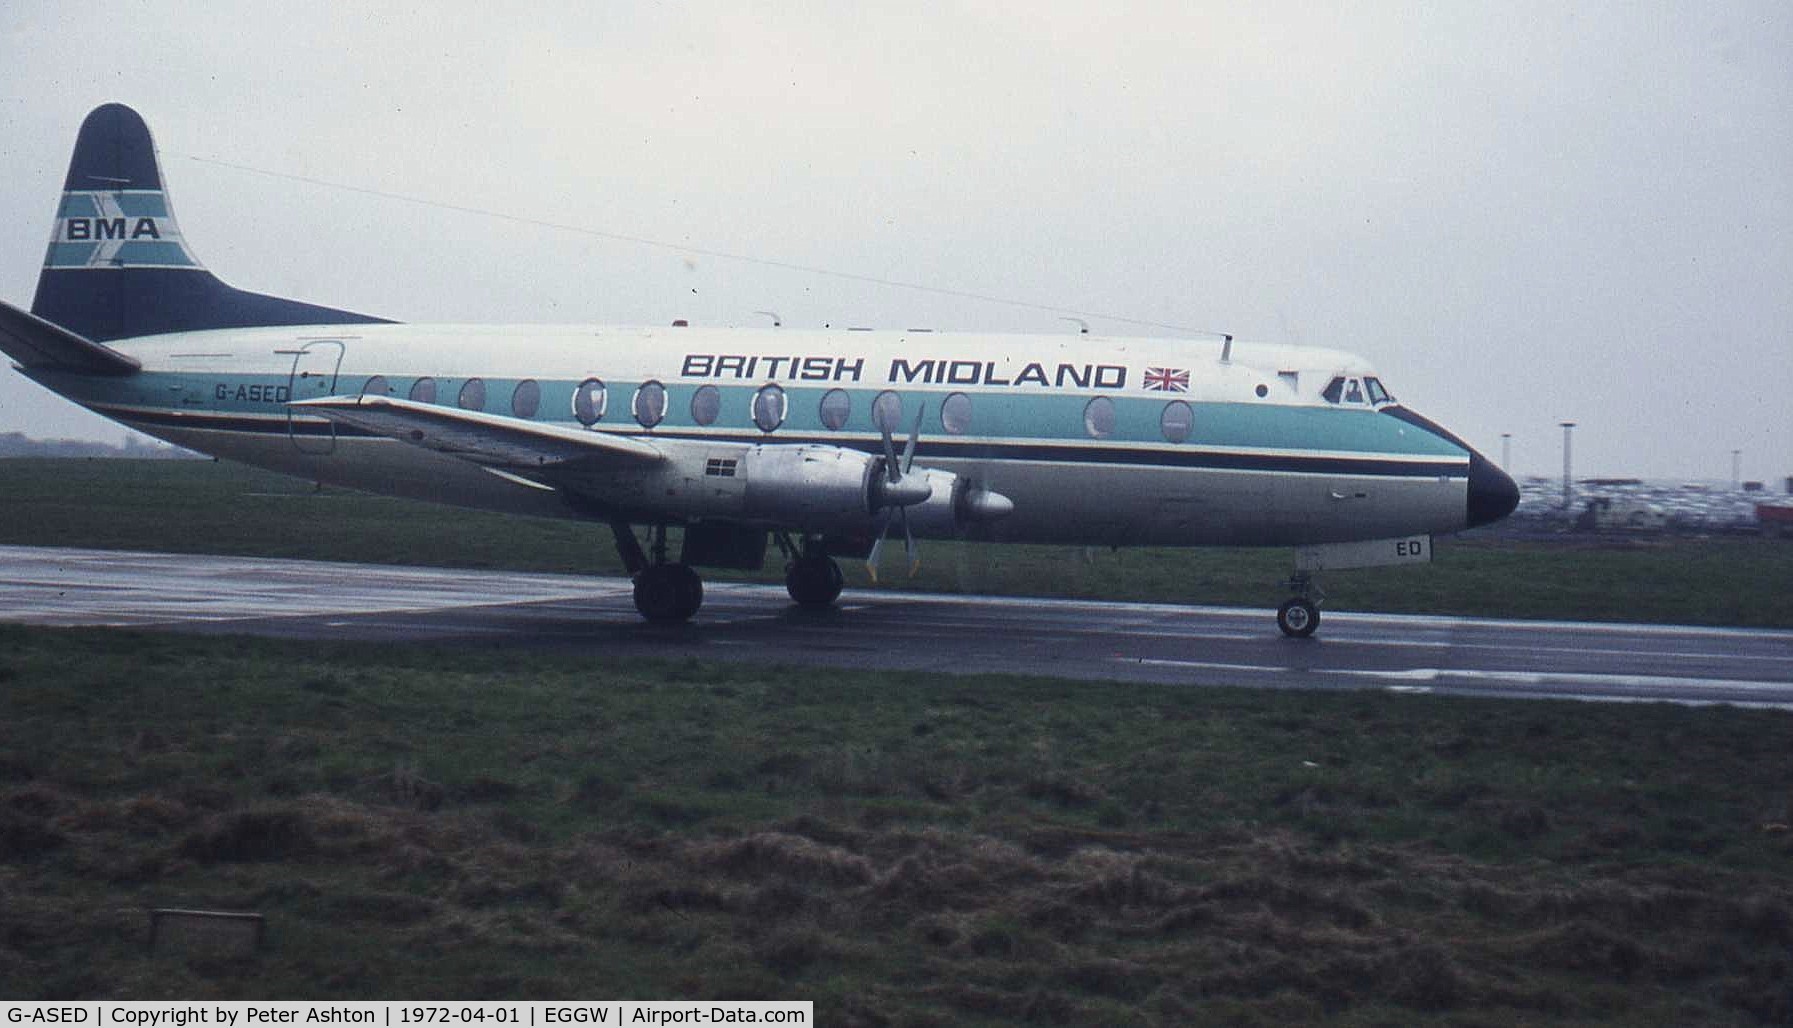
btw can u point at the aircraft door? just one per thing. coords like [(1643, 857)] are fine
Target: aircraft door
[(315, 365)]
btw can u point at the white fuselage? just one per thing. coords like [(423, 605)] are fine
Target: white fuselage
[(1095, 440)]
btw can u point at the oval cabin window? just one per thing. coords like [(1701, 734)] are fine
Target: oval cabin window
[(588, 402), (649, 405)]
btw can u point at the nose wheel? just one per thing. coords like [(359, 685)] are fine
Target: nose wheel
[(1297, 618), (1299, 615)]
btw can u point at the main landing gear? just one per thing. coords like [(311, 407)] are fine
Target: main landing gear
[(664, 591), (1299, 615), (811, 576)]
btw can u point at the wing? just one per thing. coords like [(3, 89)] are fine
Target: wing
[(494, 441)]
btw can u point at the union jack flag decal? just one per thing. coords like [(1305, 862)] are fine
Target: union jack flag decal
[(1167, 380)]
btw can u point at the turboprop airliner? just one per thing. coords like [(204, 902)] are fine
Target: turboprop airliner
[(823, 443)]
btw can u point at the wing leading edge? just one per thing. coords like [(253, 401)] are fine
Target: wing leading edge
[(491, 440)]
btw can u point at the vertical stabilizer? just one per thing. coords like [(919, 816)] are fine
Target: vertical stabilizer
[(118, 266)]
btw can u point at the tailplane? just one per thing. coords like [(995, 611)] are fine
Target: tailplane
[(118, 266)]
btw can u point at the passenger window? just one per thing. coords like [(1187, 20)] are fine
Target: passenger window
[(376, 386), (955, 414), (768, 408), (1353, 393), (424, 390), (1098, 417), (836, 407), (1334, 391), (589, 402), (706, 404), (649, 404), (526, 399), (887, 412), (473, 395), (1176, 421)]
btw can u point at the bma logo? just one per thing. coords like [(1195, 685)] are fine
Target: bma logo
[(84, 229)]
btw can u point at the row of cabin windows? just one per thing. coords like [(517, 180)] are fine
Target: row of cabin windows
[(770, 407)]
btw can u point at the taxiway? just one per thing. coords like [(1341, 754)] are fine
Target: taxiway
[(899, 631)]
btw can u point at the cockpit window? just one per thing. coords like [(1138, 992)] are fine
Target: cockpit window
[(1351, 390)]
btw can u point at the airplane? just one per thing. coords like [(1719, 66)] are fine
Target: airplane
[(820, 441)]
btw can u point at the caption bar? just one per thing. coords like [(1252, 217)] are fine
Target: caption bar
[(381, 1014)]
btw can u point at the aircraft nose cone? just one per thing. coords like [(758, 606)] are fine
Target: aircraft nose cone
[(1492, 492)]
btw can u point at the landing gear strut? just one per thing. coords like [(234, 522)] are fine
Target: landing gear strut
[(664, 591), (1299, 615), (811, 576)]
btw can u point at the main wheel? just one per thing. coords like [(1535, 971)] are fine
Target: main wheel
[(814, 581), (1297, 618), (668, 592), (691, 591)]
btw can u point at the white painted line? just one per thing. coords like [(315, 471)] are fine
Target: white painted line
[(1446, 675), (1433, 674)]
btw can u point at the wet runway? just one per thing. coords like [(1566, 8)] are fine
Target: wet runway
[(899, 631)]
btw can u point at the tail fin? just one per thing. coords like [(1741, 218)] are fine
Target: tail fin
[(118, 267)]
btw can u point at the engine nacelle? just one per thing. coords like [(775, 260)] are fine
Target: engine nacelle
[(813, 487), (942, 512)]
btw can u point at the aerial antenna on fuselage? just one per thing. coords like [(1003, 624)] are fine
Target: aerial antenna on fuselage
[(1226, 349), (1082, 325), (777, 322)]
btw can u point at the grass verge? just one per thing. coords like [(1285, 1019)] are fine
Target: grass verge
[(212, 507), (903, 849)]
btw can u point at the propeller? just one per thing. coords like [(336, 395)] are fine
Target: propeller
[(895, 493)]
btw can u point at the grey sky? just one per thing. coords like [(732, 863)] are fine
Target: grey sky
[(1520, 213)]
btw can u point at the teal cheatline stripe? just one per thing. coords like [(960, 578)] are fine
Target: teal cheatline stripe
[(69, 255), (143, 205), (164, 254), (78, 205)]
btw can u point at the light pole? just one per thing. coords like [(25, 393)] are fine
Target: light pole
[(1736, 470), (1506, 452), (1568, 496)]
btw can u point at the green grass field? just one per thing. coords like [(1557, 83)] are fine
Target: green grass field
[(224, 508), (422, 823), (465, 822)]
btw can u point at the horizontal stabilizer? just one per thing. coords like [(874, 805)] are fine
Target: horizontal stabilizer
[(35, 343), (492, 440)]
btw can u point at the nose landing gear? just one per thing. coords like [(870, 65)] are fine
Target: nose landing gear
[(1299, 615)]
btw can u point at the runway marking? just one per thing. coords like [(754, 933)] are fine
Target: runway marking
[(1433, 674), (1446, 675), (1209, 665)]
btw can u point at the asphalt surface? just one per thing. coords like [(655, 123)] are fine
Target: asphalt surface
[(1123, 642)]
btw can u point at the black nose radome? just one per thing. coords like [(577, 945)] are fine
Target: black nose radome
[(1492, 493)]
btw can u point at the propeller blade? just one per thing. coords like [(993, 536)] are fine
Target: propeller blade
[(890, 459), (910, 549), (871, 559), (914, 435)]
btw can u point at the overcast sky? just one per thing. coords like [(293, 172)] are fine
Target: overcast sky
[(1520, 213)]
